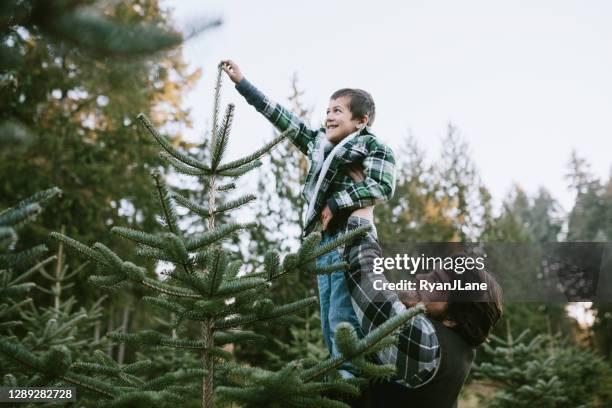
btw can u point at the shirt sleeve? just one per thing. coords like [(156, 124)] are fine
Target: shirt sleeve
[(279, 116), (416, 355), (377, 186)]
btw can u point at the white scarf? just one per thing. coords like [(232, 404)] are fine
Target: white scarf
[(322, 167)]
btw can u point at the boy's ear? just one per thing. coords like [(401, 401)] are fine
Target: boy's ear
[(363, 121)]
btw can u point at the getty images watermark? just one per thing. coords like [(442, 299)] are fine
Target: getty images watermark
[(439, 273), (526, 272)]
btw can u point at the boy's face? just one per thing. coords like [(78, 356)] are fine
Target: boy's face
[(339, 122)]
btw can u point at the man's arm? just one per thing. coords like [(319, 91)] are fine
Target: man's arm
[(279, 116), (417, 354), (377, 185)]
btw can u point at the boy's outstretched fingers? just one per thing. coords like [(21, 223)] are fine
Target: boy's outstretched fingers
[(232, 70)]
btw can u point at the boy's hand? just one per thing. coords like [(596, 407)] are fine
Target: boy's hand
[(232, 70), (326, 217), (356, 173)]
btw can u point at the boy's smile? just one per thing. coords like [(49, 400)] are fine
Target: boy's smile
[(339, 122)]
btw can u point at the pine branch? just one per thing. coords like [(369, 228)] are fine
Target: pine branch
[(175, 246), (166, 203), (80, 248), (228, 337), (217, 263), (364, 345), (50, 367), (42, 198), (194, 280), (271, 264), (341, 266), (204, 212), (200, 210), (23, 258), (277, 312), (232, 205), (239, 171), (241, 284), (127, 269), (183, 375), (215, 235), (341, 239), (155, 254), (95, 33), (182, 157), (8, 238), (219, 145), (182, 167), (153, 338), (255, 155), (19, 216), (216, 104), (226, 187), (169, 289), (139, 236)]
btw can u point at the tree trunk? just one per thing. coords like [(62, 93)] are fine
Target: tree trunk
[(124, 327)]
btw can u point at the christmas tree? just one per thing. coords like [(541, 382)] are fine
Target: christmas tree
[(97, 29), (544, 371)]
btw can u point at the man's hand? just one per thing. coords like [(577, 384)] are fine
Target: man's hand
[(326, 217), (356, 173), (232, 70)]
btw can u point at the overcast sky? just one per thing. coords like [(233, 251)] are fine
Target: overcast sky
[(524, 81)]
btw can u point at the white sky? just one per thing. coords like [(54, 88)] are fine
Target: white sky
[(525, 81)]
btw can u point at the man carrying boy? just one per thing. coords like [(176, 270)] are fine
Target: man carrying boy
[(350, 171)]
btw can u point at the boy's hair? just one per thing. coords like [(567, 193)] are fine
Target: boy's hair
[(475, 313), (361, 103)]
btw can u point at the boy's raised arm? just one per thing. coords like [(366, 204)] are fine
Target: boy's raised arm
[(279, 116), (378, 184)]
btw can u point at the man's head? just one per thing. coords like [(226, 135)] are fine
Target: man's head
[(472, 314), (349, 109)]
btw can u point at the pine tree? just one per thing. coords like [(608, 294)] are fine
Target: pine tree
[(545, 372), (17, 266), (440, 202), (206, 288), (82, 25), (590, 219)]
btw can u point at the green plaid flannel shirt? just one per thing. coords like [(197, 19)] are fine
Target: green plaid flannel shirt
[(338, 190)]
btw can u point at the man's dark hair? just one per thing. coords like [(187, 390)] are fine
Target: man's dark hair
[(474, 312), (361, 103)]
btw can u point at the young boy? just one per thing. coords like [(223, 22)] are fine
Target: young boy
[(350, 170)]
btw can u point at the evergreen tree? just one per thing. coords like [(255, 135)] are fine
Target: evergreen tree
[(459, 181), (523, 221), (80, 77), (544, 372), (439, 202), (87, 27), (590, 219), (416, 213), (73, 76), (206, 289)]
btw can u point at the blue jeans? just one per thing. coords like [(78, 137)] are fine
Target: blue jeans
[(334, 297)]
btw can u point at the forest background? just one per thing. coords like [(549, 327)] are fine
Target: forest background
[(68, 119)]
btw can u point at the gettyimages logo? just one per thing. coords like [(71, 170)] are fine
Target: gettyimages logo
[(405, 262)]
